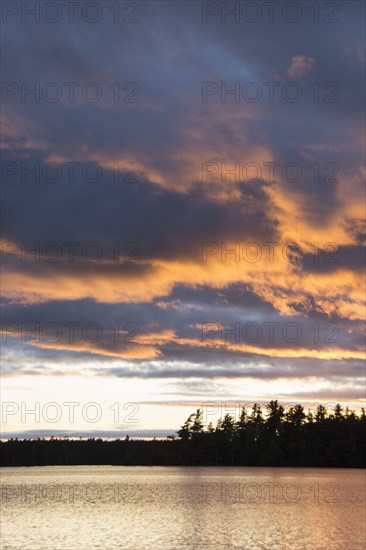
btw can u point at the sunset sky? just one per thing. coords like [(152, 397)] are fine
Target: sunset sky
[(181, 225)]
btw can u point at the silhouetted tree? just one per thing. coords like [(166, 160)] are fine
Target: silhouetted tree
[(276, 439)]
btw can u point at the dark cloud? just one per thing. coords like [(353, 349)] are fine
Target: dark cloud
[(202, 326), (334, 258), (161, 223), (163, 215)]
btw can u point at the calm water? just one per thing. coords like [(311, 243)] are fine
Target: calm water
[(106, 507)]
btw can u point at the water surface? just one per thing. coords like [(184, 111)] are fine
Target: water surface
[(193, 508)]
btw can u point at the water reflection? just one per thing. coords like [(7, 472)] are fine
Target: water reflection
[(134, 508)]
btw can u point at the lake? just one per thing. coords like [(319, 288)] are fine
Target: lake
[(208, 508)]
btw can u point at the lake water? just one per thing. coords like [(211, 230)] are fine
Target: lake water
[(208, 508)]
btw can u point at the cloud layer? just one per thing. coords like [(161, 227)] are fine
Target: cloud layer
[(185, 203)]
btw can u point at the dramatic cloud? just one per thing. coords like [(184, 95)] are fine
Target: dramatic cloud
[(183, 207)]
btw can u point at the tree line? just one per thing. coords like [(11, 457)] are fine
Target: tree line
[(270, 437)]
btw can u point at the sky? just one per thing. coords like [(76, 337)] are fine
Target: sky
[(183, 215)]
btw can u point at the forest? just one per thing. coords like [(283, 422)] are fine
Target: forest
[(269, 436)]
